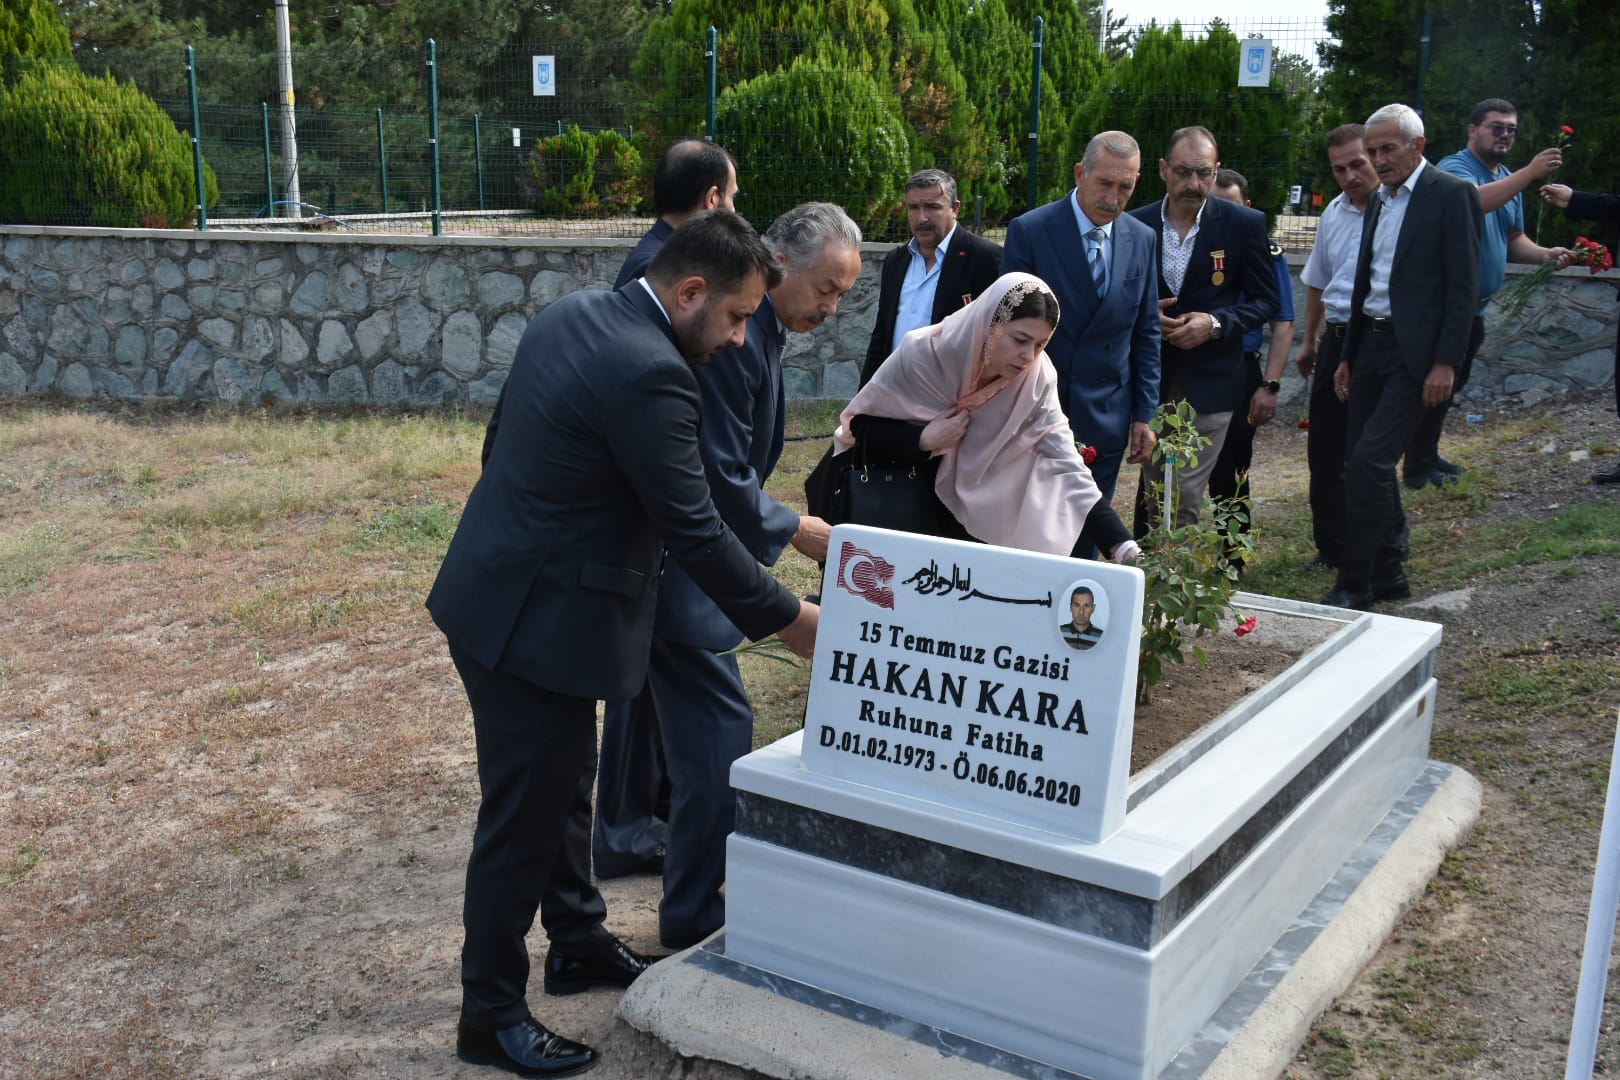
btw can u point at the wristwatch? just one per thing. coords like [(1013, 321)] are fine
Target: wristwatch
[(1214, 328), (1271, 386)]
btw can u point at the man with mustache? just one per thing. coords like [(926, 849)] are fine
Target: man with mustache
[(1410, 321), (1216, 283), (1493, 128), (938, 272), (1329, 275), (693, 695), (1099, 263)]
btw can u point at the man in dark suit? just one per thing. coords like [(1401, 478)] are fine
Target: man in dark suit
[(1411, 316), (694, 695), (1099, 262), (1216, 283), (694, 174), (547, 595), (938, 272), (632, 785)]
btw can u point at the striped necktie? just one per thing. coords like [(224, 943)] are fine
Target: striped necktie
[(1099, 267)]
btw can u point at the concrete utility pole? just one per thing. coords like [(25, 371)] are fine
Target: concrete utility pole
[(289, 125)]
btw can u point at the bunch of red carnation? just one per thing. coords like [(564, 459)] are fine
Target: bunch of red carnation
[(1593, 255)]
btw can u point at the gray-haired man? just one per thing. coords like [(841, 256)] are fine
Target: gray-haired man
[(939, 271), (694, 694)]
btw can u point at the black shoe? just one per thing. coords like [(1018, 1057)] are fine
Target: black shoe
[(525, 1048), (1610, 477), (1393, 587), (604, 961), (1356, 601), (1432, 478), (1322, 562), (679, 942), (1450, 468), (617, 867)]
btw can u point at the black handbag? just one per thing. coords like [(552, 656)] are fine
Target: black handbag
[(899, 496)]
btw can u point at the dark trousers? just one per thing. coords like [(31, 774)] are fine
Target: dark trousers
[(707, 723), (1423, 455), (632, 800), (1324, 449), (1229, 482), (531, 849), (1386, 403)]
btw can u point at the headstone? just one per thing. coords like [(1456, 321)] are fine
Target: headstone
[(991, 680)]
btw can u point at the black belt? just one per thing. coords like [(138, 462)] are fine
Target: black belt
[(1380, 326), (1338, 329)]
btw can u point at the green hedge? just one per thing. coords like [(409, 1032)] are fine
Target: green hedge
[(80, 150), (578, 174), (814, 132)]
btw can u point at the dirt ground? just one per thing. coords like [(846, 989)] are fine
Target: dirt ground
[(267, 882)]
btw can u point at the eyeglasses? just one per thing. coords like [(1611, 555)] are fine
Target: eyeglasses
[(1183, 172), (1502, 130)]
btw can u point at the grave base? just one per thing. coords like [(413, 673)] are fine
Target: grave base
[(710, 1006)]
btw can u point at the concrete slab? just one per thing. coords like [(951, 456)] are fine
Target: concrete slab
[(707, 1005)]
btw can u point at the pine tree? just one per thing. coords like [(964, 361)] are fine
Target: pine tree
[(1170, 81), (32, 28), (816, 132)]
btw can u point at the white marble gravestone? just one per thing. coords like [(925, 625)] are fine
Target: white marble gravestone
[(1095, 938), (942, 673)]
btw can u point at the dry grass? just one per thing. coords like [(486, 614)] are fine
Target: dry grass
[(235, 763)]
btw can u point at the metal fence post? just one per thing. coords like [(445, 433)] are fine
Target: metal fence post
[(478, 158), (382, 162), (269, 181), (433, 132), (710, 56), (1423, 55), (196, 139), (1035, 115)]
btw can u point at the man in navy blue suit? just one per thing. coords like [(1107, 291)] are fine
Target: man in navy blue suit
[(693, 694), (632, 785), (1216, 283), (694, 174), (1099, 262)]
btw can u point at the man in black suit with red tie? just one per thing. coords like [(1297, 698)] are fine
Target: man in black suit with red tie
[(939, 271), (1411, 316), (1216, 283), (547, 594)]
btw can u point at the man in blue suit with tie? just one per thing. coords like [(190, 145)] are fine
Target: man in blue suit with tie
[(694, 694), (1100, 263)]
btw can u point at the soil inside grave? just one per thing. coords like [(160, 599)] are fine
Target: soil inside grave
[(1192, 695)]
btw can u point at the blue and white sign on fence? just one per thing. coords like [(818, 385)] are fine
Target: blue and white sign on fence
[(545, 76), (1254, 62)]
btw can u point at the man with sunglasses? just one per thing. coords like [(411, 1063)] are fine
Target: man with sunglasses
[(1216, 283), (1493, 128)]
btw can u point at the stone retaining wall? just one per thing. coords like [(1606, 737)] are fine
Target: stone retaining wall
[(295, 318)]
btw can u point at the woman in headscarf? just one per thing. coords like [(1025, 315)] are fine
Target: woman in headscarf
[(977, 394)]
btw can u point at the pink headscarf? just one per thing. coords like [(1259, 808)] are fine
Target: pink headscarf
[(1016, 479)]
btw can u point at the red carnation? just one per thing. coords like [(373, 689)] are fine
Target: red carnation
[(1247, 626), (1304, 425), (1088, 454), (1566, 129)]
